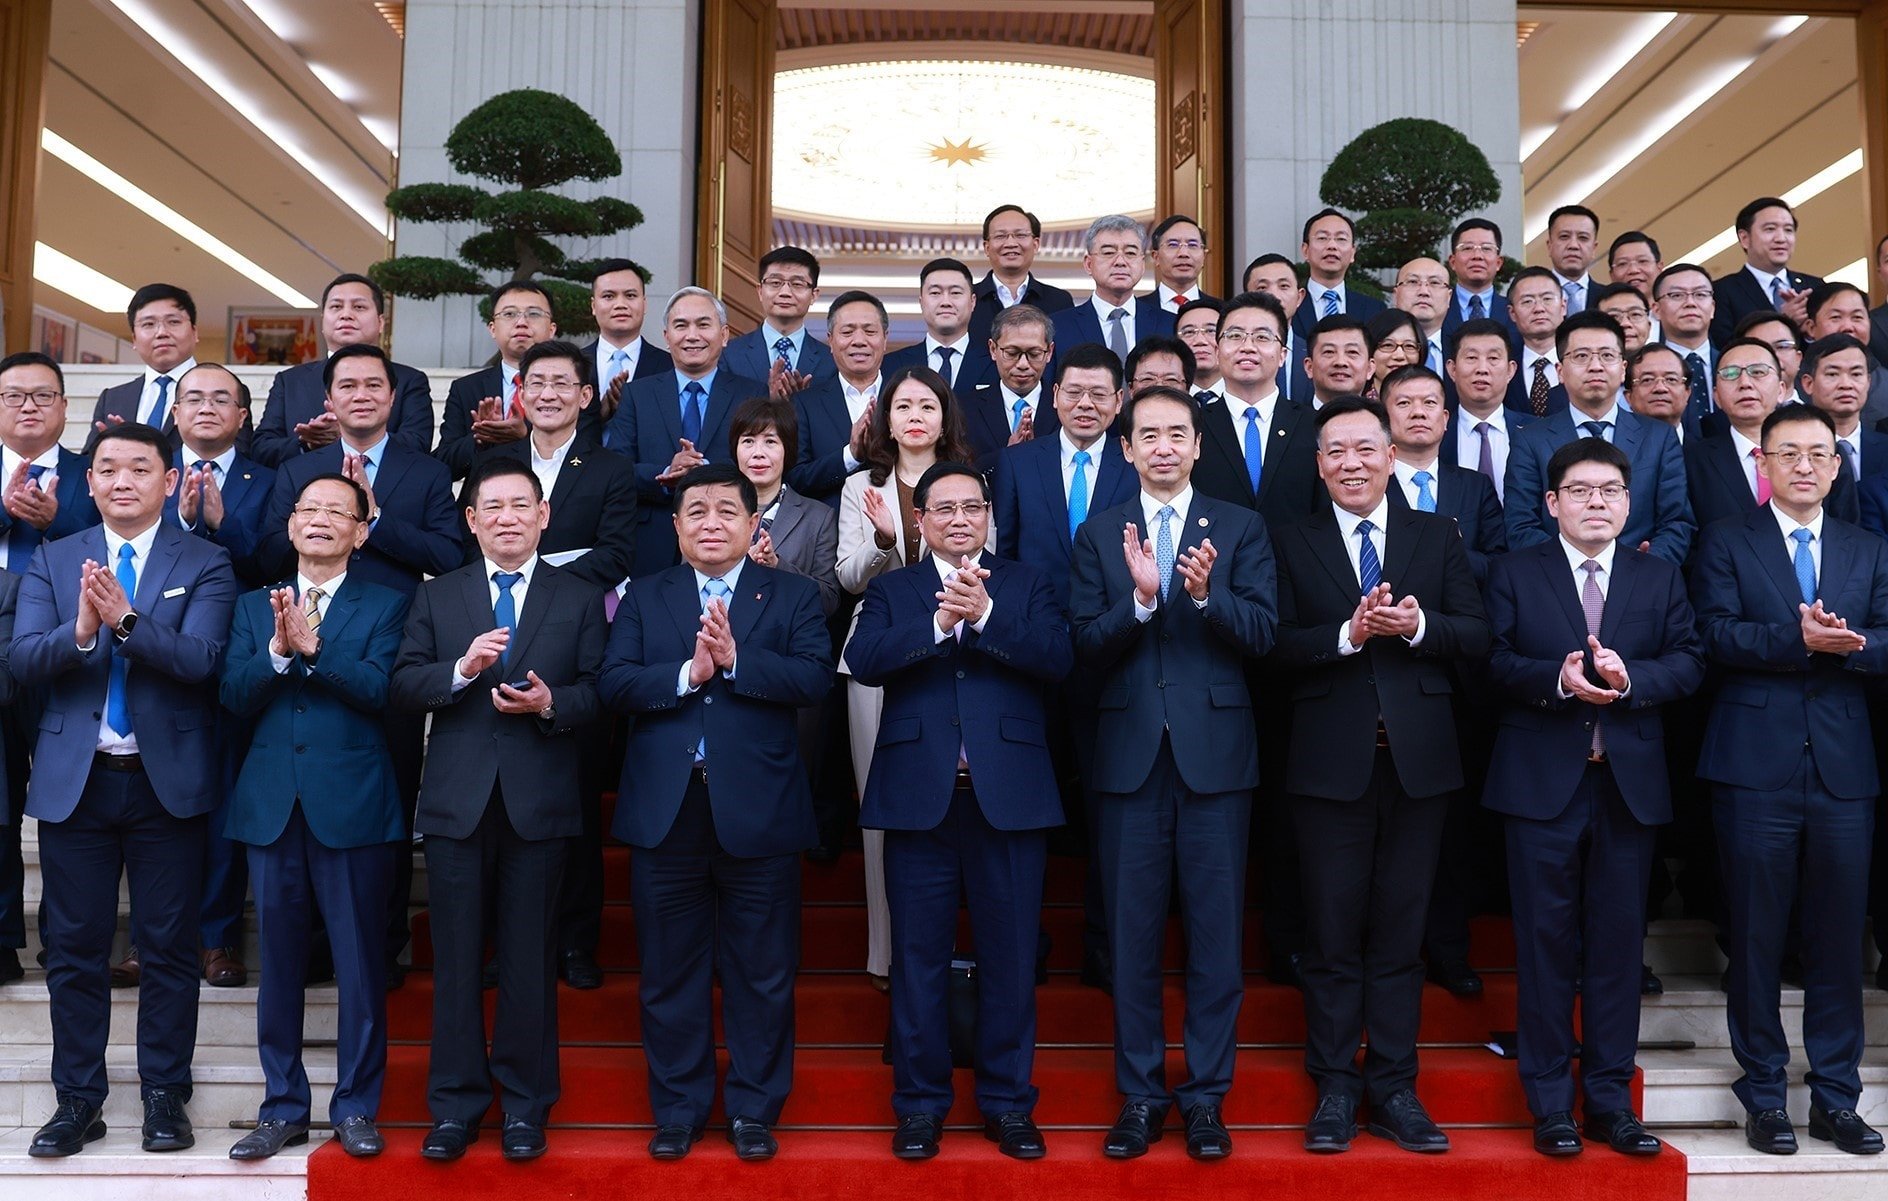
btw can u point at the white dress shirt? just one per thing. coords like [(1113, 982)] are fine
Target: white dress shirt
[(1314, 296), (945, 570), (605, 350), (110, 741), (1708, 354), (1528, 358), (1609, 420), (1765, 278), (546, 468), (518, 592), (1150, 514), (733, 580), (1405, 472), (1164, 296), (1468, 444), (1103, 308), (302, 585), (11, 459), (1745, 462), (856, 399), (1010, 398), (147, 401), (1789, 525), (1266, 405), (1347, 523), (1068, 449), (1576, 556), (219, 473), (961, 347)]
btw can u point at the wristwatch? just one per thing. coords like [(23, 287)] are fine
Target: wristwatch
[(126, 624), (548, 712)]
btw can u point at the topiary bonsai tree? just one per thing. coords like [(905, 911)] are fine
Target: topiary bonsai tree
[(533, 141), (1409, 180)]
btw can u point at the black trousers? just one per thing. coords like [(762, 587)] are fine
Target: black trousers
[(406, 740), (580, 908), (1368, 864), (120, 827), (524, 877)]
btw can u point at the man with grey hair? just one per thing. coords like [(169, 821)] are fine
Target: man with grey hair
[(675, 421), (1014, 405), (1114, 253)]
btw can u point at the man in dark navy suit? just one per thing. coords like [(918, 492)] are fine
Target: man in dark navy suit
[(1329, 250), (1011, 239), (485, 408), (944, 301), (1591, 641), (1337, 358), (1766, 230), (1683, 303), (1274, 275), (1834, 378), (316, 803), (619, 302), (1172, 594), (714, 657), (163, 321), (1114, 253), (122, 625), (1538, 307), (1482, 428), (789, 286), (1475, 260), (1177, 254), (1725, 473), (1793, 611), (1010, 408), (835, 414), (295, 418), (1573, 242), (962, 784)]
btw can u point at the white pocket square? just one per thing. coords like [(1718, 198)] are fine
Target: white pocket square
[(174, 592)]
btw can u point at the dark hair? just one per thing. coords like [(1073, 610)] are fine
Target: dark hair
[(1337, 323), (136, 431), (1320, 215), (152, 293), (710, 474), (242, 390), (759, 414), (1093, 356), (945, 264), (1783, 414), (360, 350), (1204, 304), (1408, 373), (1018, 314), (1822, 348), (1757, 317), (1154, 344), (1658, 282), (881, 451), (1035, 226), (1479, 327), (32, 358), (1608, 291), (1823, 293), (1469, 226), (1161, 392), (1343, 406), (789, 256), (1382, 325), (1575, 210), (1627, 239), (517, 285), (1527, 273), (1268, 259), (612, 266), (1263, 301), (496, 466), (355, 277), (857, 296), (944, 470), (1591, 319), (1756, 343), (1587, 450), (1638, 356), (1168, 223), (1747, 216), (556, 348), (335, 477)]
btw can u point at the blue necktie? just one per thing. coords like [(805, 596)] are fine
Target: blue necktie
[(1476, 309), (505, 612), (1163, 548), (1805, 566), (1078, 493), (714, 589), (23, 537), (163, 399), (1369, 567), (783, 350), (1425, 499), (619, 363), (1776, 292), (1255, 448), (1016, 414), (1700, 390), (1598, 429), (692, 405), (117, 711), (203, 484), (1572, 293), (945, 354), (1330, 303)]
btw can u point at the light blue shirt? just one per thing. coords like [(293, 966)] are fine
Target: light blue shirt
[(1462, 297), (769, 335)]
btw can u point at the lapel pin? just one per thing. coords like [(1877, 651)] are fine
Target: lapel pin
[(757, 596), (1202, 523), (576, 462)]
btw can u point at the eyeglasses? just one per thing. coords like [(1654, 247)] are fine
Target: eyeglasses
[(1182, 244), (1434, 283), (1788, 459), (1322, 238), (1405, 348), (530, 314), (1477, 248), (309, 512), (554, 387), (1669, 379), (150, 325), (1582, 358), (781, 283), (950, 512), (1097, 396), (1154, 381), (219, 400), (1730, 373), (1579, 494), (16, 400), (1633, 315), (1698, 294), (1014, 235), (1257, 337), (1023, 354)]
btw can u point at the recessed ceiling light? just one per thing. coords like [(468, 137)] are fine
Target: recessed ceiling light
[(64, 273), (1797, 196), (169, 217)]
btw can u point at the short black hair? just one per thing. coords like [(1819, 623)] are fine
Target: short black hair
[(787, 256), (1408, 373), (136, 431), (603, 267), (943, 471), (1527, 273), (1264, 302), (1343, 406), (945, 264), (1784, 414), (1823, 293), (1035, 226), (152, 293), (557, 348), (354, 277), (709, 475), (1587, 450), (1337, 323), (757, 415), (1162, 392), (1591, 319), (1575, 210), (1154, 344), (1167, 223), (1608, 291), (1627, 239), (1747, 216), (1471, 225), (1822, 348), (360, 350), (1093, 356), (493, 468), (1203, 304), (857, 296), (1658, 282), (1320, 215), (1639, 356), (32, 358), (1755, 343), (1268, 259), (517, 285), (1757, 317), (335, 477), (1479, 327)]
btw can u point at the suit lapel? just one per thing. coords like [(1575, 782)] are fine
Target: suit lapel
[(1049, 475), (1628, 433), (1836, 562), (1399, 544), (792, 509), (387, 477), (537, 598), (1721, 453), (718, 405), (748, 600), (341, 608), (1564, 586), (569, 476), (1327, 540), (1626, 572), (684, 601), (1766, 541), (671, 405), (1217, 418), (164, 551)]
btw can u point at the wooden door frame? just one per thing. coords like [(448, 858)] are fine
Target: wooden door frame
[(730, 121), (1197, 123), (25, 37)]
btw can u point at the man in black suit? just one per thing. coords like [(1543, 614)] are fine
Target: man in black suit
[(296, 419), (485, 408), (1481, 426), (163, 321), (1573, 242), (1658, 388), (1257, 450), (1684, 304), (1011, 238), (1591, 640), (1842, 308), (618, 303), (1834, 378), (714, 657), (1165, 625), (1177, 253), (1114, 253), (1793, 610), (1337, 358), (1538, 307), (1009, 409), (1725, 474), (1374, 604), (1766, 230), (835, 414), (1329, 249), (1274, 275), (783, 346), (1475, 260), (944, 302), (499, 802), (1634, 259), (1197, 327)]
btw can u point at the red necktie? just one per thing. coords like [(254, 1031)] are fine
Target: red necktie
[(516, 407)]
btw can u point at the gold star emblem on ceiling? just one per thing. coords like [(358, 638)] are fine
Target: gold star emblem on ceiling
[(952, 153)]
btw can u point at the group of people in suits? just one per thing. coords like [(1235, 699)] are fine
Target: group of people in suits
[(1293, 573)]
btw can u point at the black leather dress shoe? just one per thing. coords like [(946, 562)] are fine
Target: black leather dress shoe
[(579, 970), (1403, 1120), (1846, 1129), (1622, 1130), (166, 1128), (752, 1140), (1332, 1125), (1556, 1135), (1649, 983), (672, 1142), (448, 1139), (268, 1138), (359, 1137), (825, 854), (1015, 1135), (520, 1139), (1136, 1127), (1095, 972), (1284, 969), (1458, 979), (10, 969), (73, 1125), (1207, 1136), (916, 1136), (1769, 1131)]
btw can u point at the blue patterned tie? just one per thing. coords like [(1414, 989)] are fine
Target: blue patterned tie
[(1700, 389), (157, 410), (1255, 448), (619, 363), (783, 350), (117, 710), (1163, 548), (1425, 499), (692, 413), (1776, 292), (1330, 303), (714, 590), (23, 537), (1598, 429), (1805, 566), (1572, 293), (1476, 309), (505, 612), (1078, 493), (1369, 567)]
